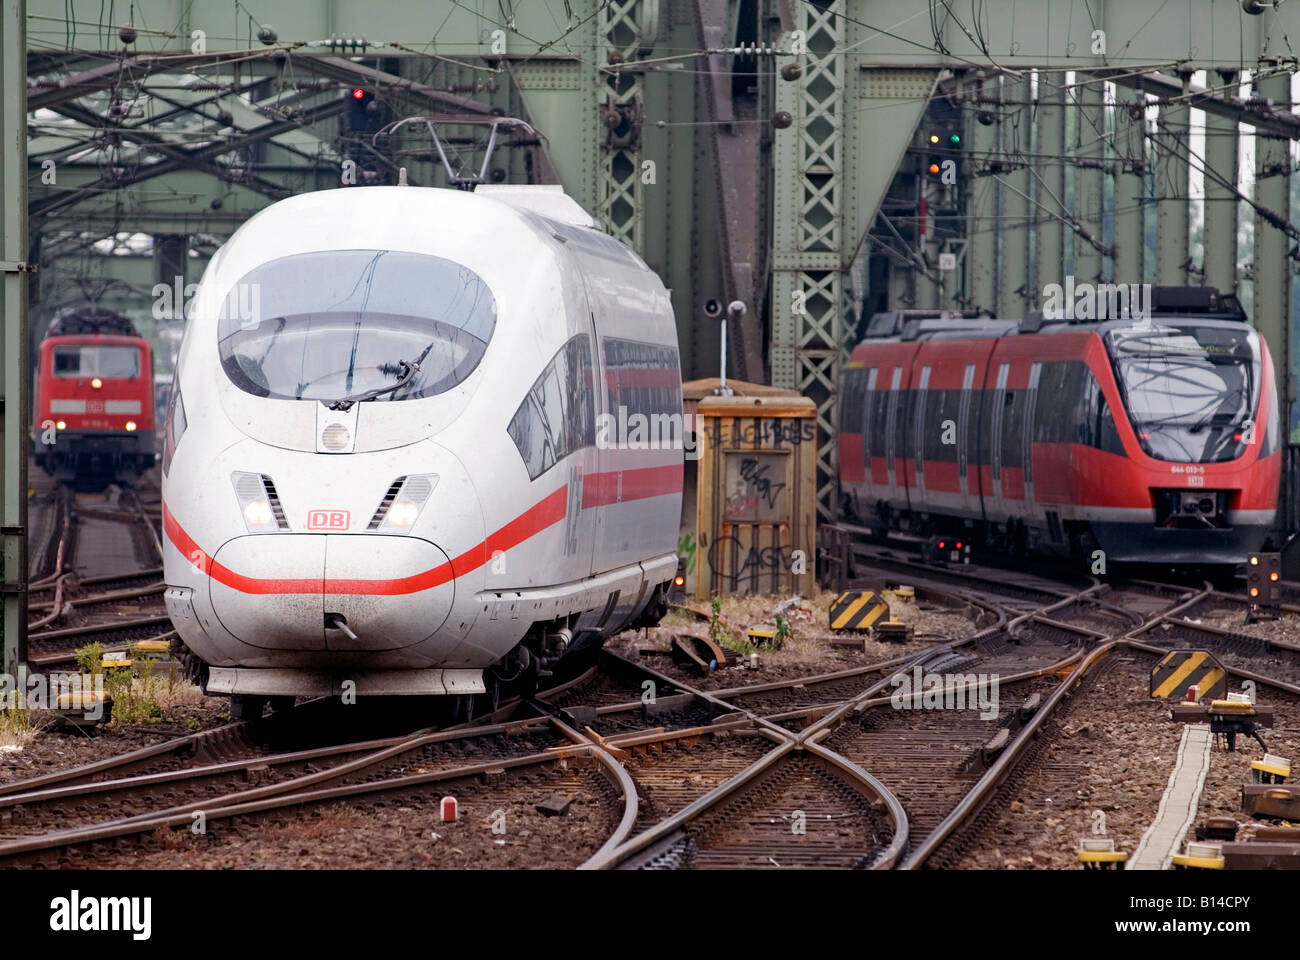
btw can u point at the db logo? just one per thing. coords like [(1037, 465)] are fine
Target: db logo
[(94, 406), (328, 519)]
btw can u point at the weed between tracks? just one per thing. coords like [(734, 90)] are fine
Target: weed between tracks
[(16, 729), (144, 692)]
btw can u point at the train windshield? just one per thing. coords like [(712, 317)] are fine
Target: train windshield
[(108, 363), (1190, 390), (378, 325)]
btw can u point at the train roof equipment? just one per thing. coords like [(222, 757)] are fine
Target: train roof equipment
[(91, 319)]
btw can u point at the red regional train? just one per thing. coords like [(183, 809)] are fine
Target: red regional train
[(93, 419), (1155, 441)]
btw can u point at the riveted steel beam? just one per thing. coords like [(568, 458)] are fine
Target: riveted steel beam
[(1172, 175), (1089, 156), (734, 156), (15, 378), (1221, 201), (1131, 166), (196, 158), (1014, 294), (1049, 176)]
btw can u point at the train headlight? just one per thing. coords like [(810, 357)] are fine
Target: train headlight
[(258, 514), (61, 425), (254, 502), (404, 503), (335, 438), (96, 383), (130, 426), (402, 514)]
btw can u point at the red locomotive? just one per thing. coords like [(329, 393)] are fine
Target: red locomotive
[(94, 413), (1155, 441)]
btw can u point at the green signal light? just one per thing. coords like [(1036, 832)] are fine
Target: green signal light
[(955, 138)]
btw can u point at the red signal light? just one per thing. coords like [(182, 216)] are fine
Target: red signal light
[(357, 93), (958, 544), (1254, 591), (1273, 575), (941, 544)]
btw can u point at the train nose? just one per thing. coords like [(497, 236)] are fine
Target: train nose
[(335, 592)]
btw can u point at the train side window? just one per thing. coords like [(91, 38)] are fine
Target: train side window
[(903, 426), (1054, 421), (1012, 425), (1268, 437), (1096, 427), (174, 428), (1108, 435), (557, 416)]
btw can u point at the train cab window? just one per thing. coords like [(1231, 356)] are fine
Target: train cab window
[(72, 360), (1189, 388), (557, 417), (333, 325), (174, 428)]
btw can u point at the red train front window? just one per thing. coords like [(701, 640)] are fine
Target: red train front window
[(1190, 389), (73, 361)]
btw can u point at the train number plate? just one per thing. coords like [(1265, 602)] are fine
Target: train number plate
[(328, 519)]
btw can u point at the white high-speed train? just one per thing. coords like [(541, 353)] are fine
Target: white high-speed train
[(382, 472)]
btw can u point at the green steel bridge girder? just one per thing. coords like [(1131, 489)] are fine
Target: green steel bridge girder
[(864, 71)]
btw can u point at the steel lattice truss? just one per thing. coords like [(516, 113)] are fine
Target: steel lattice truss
[(808, 233)]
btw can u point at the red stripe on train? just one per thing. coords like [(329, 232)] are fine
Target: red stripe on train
[(637, 484), (537, 518)]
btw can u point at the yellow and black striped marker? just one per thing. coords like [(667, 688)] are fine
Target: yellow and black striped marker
[(1181, 669), (857, 610)]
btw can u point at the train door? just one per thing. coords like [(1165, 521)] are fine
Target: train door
[(583, 519), (969, 491), (893, 466), (919, 427), (997, 407), (581, 524), (871, 444), (1027, 433)]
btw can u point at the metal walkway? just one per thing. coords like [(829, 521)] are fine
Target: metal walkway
[(1179, 803)]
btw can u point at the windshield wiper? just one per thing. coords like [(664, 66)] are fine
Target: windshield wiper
[(1217, 419), (409, 370)]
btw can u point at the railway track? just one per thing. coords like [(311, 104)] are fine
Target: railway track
[(820, 770), (97, 574)]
